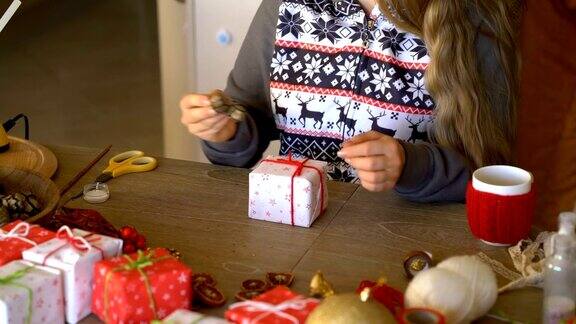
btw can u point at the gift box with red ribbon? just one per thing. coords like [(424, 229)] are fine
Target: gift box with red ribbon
[(30, 294), (278, 306), (74, 252), (288, 190), (19, 236), (140, 287)]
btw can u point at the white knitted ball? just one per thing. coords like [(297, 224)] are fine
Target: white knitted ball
[(462, 288)]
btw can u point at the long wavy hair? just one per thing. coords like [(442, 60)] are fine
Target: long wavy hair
[(465, 120)]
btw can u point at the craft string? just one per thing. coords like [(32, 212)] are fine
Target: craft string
[(19, 232), (142, 261), (9, 281), (252, 306), (499, 268), (300, 165), (79, 243), (528, 258)]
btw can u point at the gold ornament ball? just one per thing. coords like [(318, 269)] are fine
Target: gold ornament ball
[(348, 308)]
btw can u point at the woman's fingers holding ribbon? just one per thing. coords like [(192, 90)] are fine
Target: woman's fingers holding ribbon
[(378, 159)]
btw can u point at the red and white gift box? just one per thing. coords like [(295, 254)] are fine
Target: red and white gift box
[(19, 236), (277, 306), (30, 294), (289, 191), (140, 287), (75, 252)]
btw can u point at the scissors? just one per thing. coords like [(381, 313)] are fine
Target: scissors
[(127, 162), (124, 163)]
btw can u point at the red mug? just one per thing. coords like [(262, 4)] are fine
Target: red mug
[(500, 203)]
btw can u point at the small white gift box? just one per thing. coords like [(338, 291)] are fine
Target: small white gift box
[(184, 316), (30, 293), (289, 191), (75, 252)]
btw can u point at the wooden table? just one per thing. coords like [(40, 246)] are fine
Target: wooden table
[(201, 210)]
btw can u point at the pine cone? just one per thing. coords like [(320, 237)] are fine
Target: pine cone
[(4, 216)]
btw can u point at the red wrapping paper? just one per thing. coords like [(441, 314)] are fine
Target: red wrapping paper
[(277, 306), (149, 286), (84, 219), (11, 248)]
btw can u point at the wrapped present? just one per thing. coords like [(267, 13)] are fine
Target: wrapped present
[(279, 305), (75, 252), (184, 316), (30, 294), (289, 191), (141, 287), (19, 236)]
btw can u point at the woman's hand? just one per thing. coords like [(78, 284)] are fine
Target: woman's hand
[(378, 160), (203, 121)]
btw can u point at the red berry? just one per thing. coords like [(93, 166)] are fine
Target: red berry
[(140, 242), (128, 233), (128, 248)]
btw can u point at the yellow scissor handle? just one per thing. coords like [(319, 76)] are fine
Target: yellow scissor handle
[(135, 164), (120, 159)]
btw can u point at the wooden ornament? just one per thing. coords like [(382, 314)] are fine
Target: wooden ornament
[(254, 285), (223, 104), (279, 279)]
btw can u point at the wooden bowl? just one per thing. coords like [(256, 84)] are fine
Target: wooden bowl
[(16, 180)]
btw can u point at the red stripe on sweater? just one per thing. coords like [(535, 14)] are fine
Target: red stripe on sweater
[(351, 49), (308, 132), (350, 94)]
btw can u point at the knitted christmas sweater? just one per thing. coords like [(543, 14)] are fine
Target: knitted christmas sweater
[(314, 73)]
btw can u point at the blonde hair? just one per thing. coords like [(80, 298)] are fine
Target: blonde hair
[(465, 118)]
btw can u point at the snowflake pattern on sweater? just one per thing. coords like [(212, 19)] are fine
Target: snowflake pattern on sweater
[(336, 73)]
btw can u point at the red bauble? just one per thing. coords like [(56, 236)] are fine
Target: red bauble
[(140, 242), (128, 248), (128, 233)]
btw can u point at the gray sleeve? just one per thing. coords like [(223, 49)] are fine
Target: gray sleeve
[(249, 85), (435, 173), (432, 173)]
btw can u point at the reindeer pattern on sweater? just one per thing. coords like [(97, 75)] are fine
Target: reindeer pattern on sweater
[(336, 73)]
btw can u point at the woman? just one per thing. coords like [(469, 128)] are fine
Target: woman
[(403, 94)]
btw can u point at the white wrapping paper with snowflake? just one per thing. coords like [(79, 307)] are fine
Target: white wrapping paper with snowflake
[(288, 191), (74, 252), (30, 294)]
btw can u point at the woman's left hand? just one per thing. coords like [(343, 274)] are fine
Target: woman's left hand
[(378, 160)]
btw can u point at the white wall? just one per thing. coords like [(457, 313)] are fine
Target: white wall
[(175, 70), (213, 60), (192, 59)]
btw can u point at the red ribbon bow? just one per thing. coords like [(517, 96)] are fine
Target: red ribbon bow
[(300, 165), (79, 243)]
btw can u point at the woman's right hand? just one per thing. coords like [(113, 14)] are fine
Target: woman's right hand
[(202, 121)]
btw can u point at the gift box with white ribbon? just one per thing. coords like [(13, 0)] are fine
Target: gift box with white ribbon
[(75, 252)]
